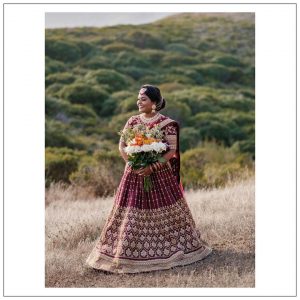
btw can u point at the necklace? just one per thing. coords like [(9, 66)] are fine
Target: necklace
[(147, 120)]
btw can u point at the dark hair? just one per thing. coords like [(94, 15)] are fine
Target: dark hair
[(154, 94)]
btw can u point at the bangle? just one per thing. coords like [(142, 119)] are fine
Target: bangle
[(155, 166), (158, 164), (150, 166)]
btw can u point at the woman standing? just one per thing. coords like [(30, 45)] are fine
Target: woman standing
[(153, 230)]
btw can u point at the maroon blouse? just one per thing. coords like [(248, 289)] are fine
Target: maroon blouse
[(171, 129)]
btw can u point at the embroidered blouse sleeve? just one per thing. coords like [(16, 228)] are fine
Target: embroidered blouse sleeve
[(171, 135)]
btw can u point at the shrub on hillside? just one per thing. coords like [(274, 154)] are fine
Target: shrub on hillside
[(189, 138), (64, 78), (177, 110), (113, 79), (84, 93), (96, 62), (215, 72), (118, 47), (227, 60), (218, 126), (100, 174), (153, 56), (174, 59), (143, 39), (212, 165), (118, 122), (57, 135), (62, 50), (53, 66), (194, 75), (126, 59), (136, 72), (60, 163), (54, 89), (182, 49)]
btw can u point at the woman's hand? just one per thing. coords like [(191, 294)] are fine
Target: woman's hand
[(143, 171)]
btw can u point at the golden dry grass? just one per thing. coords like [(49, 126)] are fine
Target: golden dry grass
[(226, 218)]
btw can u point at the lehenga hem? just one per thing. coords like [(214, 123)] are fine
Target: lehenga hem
[(179, 258)]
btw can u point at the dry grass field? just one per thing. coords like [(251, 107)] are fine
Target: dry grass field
[(225, 216)]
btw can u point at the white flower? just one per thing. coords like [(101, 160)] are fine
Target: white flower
[(159, 146), (156, 146), (132, 149), (147, 148)]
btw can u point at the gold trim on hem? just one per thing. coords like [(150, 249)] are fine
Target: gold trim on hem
[(121, 265)]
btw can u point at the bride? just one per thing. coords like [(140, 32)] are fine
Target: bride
[(155, 230)]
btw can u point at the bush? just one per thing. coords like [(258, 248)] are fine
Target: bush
[(127, 105), (62, 50), (57, 135), (189, 138), (126, 59), (177, 110), (182, 49), (60, 163), (194, 75), (118, 47), (198, 100), (101, 173), (85, 47), (81, 93), (96, 62), (219, 175), (243, 105), (227, 60), (114, 80), (143, 39), (178, 60), (136, 72), (54, 106), (169, 87), (212, 165), (219, 126), (118, 122), (178, 78), (53, 66), (54, 89), (64, 78), (153, 56), (214, 72), (248, 146)]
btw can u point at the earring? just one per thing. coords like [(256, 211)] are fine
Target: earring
[(153, 108)]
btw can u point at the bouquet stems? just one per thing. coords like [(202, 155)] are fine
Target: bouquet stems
[(147, 183)]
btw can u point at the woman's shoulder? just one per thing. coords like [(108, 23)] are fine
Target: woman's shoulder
[(132, 120), (166, 120)]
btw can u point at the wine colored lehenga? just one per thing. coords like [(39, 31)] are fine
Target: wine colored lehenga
[(153, 230)]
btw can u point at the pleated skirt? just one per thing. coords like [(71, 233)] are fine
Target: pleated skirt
[(148, 231)]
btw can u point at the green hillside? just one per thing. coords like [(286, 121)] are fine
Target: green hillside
[(204, 65)]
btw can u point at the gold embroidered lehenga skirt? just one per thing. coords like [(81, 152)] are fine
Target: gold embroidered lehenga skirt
[(148, 231)]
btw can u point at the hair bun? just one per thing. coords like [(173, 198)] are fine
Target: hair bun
[(163, 103)]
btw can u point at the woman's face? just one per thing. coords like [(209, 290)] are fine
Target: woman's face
[(144, 103)]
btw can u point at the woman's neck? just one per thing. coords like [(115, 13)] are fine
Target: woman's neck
[(149, 115)]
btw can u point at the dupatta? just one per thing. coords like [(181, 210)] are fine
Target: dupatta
[(175, 159)]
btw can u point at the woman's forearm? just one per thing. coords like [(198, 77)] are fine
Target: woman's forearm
[(122, 152), (158, 165), (124, 155), (169, 154)]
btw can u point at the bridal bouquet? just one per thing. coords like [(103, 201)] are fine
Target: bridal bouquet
[(144, 147)]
